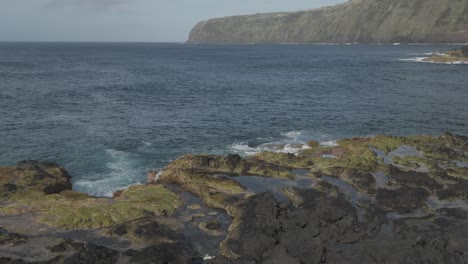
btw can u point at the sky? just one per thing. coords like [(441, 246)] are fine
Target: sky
[(125, 20)]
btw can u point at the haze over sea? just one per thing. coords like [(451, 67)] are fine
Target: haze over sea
[(108, 112)]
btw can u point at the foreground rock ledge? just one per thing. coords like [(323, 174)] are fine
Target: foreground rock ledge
[(382, 199)]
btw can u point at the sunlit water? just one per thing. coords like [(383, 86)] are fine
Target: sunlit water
[(109, 112)]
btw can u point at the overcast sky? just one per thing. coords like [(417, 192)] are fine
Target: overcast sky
[(125, 20)]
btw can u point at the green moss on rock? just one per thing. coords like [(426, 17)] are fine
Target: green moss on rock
[(73, 210), (287, 160), (47, 178)]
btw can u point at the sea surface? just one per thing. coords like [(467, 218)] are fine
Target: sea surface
[(109, 112)]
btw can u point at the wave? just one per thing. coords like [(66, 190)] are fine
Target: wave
[(416, 59), (244, 149), (450, 63), (122, 171), (291, 142), (330, 143), (422, 59), (424, 53)]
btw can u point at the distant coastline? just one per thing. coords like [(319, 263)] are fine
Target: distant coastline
[(363, 21)]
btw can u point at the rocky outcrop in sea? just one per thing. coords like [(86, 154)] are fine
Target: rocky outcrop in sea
[(381, 199), (455, 56)]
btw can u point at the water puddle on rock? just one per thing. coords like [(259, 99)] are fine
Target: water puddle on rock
[(401, 152), (349, 191), (434, 203), (300, 172), (381, 180), (404, 151), (462, 164), (416, 214), (94, 237), (353, 196), (422, 168), (385, 229), (258, 184), (387, 160), (203, 227)]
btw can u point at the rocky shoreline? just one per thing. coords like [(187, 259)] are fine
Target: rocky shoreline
[(456, 56), (381, 199)]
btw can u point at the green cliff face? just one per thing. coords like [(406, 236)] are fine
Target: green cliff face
[(364, 21)]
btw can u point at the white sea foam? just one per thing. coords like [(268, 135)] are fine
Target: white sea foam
[(422, 59), (158, 175), (243, 148), (330, 143), (102, 188), (416, 59), (122, 172), (423, 54), (293, 142), (293, 134), (208, 257), (147, 144)]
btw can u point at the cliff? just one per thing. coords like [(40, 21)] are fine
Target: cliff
[(364, 21)]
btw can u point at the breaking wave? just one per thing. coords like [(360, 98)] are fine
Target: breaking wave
[(290, 142), (122, 170)]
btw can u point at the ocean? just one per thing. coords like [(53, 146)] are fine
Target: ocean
[(108, 112)]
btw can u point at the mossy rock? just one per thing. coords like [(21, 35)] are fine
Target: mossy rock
[(287, 160), (48, 178), (73, 210), (13, 239), (211, 227), (231, 164), (349, 154)]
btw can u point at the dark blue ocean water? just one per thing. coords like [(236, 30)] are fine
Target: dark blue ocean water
[(109, 112)]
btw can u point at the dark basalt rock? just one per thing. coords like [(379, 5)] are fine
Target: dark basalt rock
[(296, 232), (414, 179), (13, 239), (257, 229), (212, 227), (55, 260), (77, 253), (361, 181), (458, 213), (153, 231), (402, 200), (279, 255), (313, 233), (161, 254), (456, 191)]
